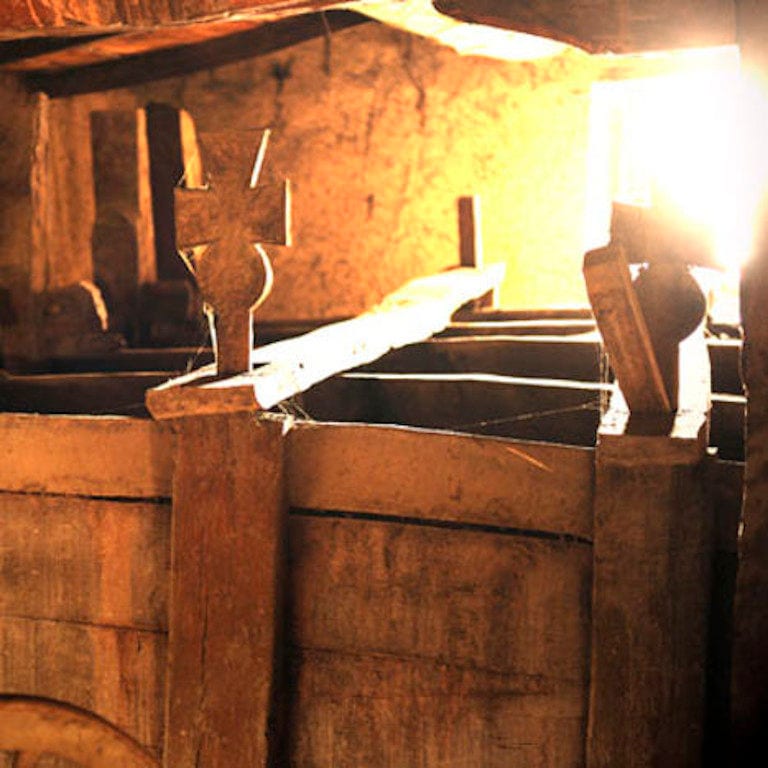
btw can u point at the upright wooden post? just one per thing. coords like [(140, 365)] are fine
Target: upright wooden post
[(228, 527), (123, 234), (653, 548), (471, 244), (750, 660)]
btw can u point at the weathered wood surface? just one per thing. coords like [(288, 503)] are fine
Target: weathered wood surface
[(123, 234), (423, 646), (84, 16), (229, 510), (600, 26), (32, 727), (625, 332), (84, 455), (416, 311), (525, 486), (654, 543)]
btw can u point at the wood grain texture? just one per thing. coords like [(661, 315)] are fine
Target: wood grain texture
[(118, 674), (419, 646), (601, 26), (654, 544), (624, 330), (227, 548), (84, 560), (468, 479), (85, 455)]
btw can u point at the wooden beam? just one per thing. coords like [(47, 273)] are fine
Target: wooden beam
[(654, 543), (225, 610), (602, 26), (88, 16), (419, 309)]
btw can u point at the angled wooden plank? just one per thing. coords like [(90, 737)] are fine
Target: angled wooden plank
[(527, 486), (624, 331), (85, 455), (227, 547), (419, 309)]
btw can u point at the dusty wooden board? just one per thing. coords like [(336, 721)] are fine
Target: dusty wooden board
[(225, 609), (529, 486), (413, 313), (116, 673), (600, 25), (84, 560), (422, 627), (84, 455)]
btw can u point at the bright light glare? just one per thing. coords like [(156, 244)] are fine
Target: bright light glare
[(693, 141)]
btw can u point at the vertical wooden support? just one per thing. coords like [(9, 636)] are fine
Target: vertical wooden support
[(471, 244), (123, 234), (653, 549), (750, 659), (227, 542)]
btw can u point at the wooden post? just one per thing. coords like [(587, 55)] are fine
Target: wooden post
[(228, 526), (471, 245), (750, 660), (653, 549), (123, 234)]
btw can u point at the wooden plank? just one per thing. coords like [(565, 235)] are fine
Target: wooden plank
[(624, 331), (654, 543), (84, 455), (84, 560), (115, 673), (154, 65), (505, 406), (414, 312), (525, 486), (85, 16), (401, 629), (601, 26), (547, 327), (227, 549)]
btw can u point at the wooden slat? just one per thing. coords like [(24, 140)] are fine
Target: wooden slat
[(419, 646), (84, 455), (603, 25), (84, 560), (227, 547), (114, 673), (444, 477), (413, 313)]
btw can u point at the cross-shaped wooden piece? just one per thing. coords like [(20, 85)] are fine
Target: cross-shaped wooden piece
[(223, 224)]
